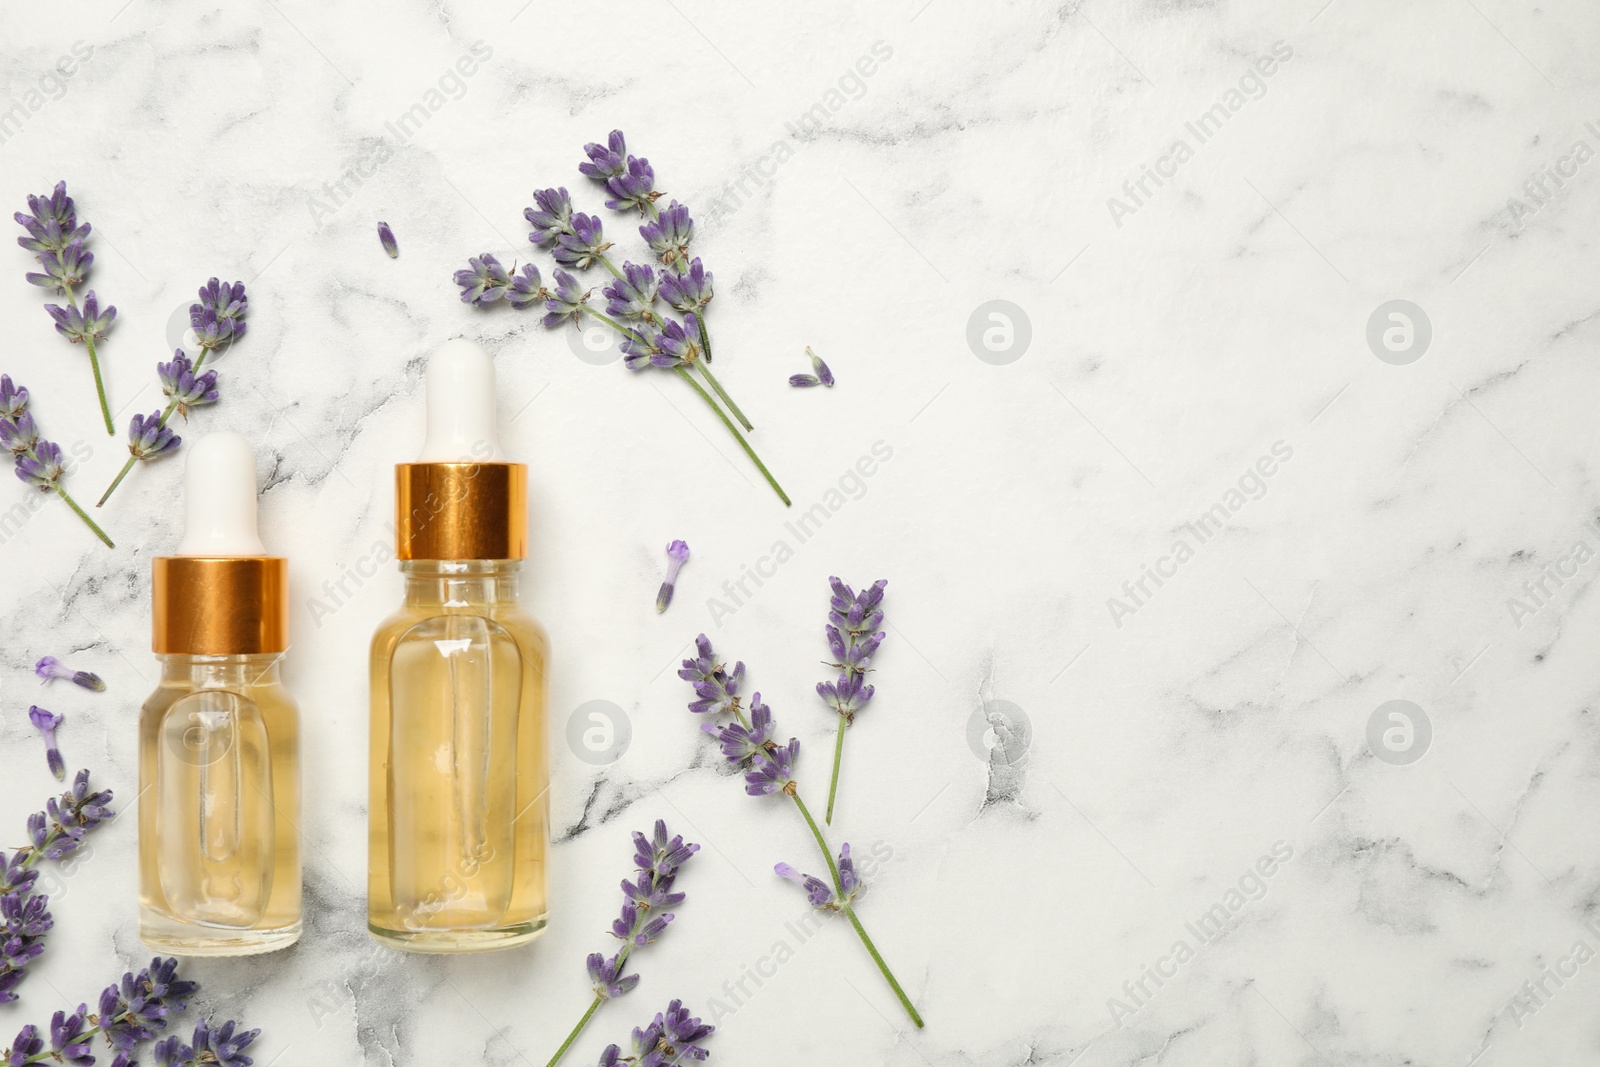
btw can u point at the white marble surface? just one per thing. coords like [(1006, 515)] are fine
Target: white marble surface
[(1225, 313)]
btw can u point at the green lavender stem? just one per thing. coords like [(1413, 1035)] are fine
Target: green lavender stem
[(833, 784), (861, 932), (576, 1030), (94, 364), (684, 373), (737, 436), (705, 371), (128, 466), (73, 504)]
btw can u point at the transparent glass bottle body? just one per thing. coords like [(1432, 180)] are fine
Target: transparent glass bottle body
[(219, 808), (458, 824)]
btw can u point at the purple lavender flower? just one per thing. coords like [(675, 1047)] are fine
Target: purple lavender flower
[(483, 282), (772, 771), (677, 556), (220, 1046), (671, 1039), (19, 435), (82, 326), (632, 297), (605, 161), (24, 920), (13, 399), (43, 468), (148, 437), (607, 978), (635, 187), (566, 301), (63, 270), (183, 387), (138, 1008), (386, 239), (46, 722), (741, 743), (527, 288), (584, 245), (70, 1037), (552, 218), (218, 319), (853, 638), (669, 235), (673, 345), (28, 1044), (52, 223), (24, 914), (690, 291), (716, 688), (819, 892)]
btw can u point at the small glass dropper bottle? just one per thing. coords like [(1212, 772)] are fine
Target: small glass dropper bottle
[(219, 739), (458, 823)]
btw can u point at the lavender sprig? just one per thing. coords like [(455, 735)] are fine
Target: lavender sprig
[(133, 1010), (853, 638), (769, 769), (24, 914), (49, 667), (672, 1038), (46, 722), (677, 556), (57, 240), (39, 463), (577, 241), (657, 860), (218, 320)]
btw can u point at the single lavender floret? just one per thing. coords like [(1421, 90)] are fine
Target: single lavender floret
[(552, 218), (690, 291), (584, 245), (148, 438), (669, 235), (824, 375), (803, 381), (46, 722), (183, 387), (605, 161), (386, 239), (677, 556), (632, 297), (633, 188)]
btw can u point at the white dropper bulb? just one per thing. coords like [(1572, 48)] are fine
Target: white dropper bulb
[(460, 400), (219, 498)]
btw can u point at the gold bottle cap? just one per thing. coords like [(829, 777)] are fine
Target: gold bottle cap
[(221, 594), (219, 605), (461, 510)]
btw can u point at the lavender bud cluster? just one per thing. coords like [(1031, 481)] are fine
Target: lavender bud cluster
[(672, 1037), (853, 638)]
